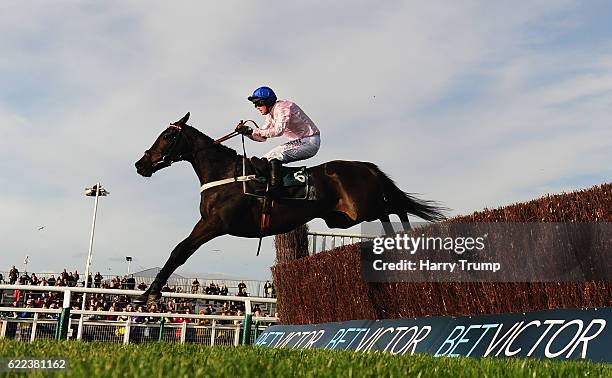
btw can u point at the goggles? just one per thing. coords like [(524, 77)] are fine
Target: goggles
[(259, 102)]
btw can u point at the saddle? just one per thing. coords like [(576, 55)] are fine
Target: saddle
[(296, 181)]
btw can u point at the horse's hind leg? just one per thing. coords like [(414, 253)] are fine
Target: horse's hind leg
[(405, 221), (203, 231)]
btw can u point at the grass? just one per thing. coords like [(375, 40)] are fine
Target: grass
[(95, 360)]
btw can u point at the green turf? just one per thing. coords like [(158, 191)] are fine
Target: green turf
[(95, 360)]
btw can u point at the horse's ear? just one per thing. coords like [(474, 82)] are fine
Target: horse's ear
[(183, 121)]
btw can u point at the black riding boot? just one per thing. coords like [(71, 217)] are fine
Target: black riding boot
[(275, 177)]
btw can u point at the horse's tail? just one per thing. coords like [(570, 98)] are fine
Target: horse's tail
[(400, 201)]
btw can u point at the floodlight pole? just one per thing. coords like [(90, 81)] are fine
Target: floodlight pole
[(99, 191)]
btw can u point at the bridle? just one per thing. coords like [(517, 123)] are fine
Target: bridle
[(166, 159)]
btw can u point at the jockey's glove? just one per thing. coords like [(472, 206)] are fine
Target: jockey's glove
[(243, 129)]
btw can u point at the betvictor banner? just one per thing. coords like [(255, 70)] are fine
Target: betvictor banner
[(580, 334)]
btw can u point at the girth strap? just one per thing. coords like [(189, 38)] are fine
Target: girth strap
[(230, 180)]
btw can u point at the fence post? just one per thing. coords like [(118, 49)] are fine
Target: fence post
[(61, 331), (237, 334), (126, 335), (246, 331), (212, 332), (183, 331), (34, 324), (256, 330), (161, 328), (248, 319), (3, 329), (80, 327)]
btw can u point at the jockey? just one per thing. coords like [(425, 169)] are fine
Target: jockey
[(282, 118)]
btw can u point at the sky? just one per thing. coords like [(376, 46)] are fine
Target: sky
[(476, 104)]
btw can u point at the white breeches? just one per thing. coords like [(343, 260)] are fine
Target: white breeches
[(298, 149)]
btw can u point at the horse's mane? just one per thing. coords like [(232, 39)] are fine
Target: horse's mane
[(210, 142)]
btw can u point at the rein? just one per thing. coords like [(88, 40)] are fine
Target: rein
[(167, 157), (234, 133)]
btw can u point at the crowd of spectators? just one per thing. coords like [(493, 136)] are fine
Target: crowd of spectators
[(127, 282), (72, 279), (122, 304), (119, 304)]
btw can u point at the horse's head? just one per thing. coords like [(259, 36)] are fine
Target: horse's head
[(169, 147)]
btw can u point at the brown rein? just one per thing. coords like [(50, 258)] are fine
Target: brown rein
[(234, 133)]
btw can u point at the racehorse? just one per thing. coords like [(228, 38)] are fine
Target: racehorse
[(347, 193)]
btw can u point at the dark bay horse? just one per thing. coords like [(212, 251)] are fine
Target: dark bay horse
[(348, 193)]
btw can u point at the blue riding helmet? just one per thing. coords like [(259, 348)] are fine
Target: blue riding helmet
[(264, 94)]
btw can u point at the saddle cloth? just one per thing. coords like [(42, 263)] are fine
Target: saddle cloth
[(296, 181)]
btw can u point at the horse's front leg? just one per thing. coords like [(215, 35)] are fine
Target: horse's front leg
[(204, 230)]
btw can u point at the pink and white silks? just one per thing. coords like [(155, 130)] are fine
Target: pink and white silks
[(286, 118)]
